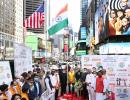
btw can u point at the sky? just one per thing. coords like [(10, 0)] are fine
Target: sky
[(73, 12)]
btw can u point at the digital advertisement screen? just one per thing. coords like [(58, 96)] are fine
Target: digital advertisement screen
[(119, 17), (83, 33), (112, 18), (101, 21)]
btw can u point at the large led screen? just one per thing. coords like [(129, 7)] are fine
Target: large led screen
[(101, 21), (119, 17), (112, 18)]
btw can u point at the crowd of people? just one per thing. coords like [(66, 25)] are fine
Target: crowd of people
[(90, 84)]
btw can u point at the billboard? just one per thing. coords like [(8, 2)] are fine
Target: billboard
[(118, 71), (112, 18), (119, 17), (96, 28), (32, 42), (101, 21), (83, 33), (22, 59), (115, 48)]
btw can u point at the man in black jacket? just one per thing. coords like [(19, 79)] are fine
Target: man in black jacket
[(63, 80), (78, 74), (83, 78)]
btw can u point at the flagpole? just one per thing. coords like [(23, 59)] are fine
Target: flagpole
[(47, 23), (45, 26), (67, 55), (67, 63)]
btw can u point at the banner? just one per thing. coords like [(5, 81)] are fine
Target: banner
[(5, 72), (32, 42), (22, 58), (118, 70)]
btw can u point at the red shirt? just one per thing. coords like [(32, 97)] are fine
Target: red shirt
[(99, 85), (112, 30)]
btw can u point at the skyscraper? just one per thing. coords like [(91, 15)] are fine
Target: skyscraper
[(19, 21), (83, 10), (11, 25)]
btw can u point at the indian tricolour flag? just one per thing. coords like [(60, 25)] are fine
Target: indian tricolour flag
[(61, 21)]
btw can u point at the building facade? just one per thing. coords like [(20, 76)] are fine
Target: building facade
[(11, 26), (83, 11), (7, 16), (19, 21)]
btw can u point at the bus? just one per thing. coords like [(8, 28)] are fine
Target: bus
[(81, 48)]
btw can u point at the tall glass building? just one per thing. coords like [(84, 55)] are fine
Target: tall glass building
[(83, 11)]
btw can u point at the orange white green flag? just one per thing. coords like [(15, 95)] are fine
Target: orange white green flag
[(61, 21)]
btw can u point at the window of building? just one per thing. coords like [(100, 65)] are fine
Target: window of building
[(7, 43), (2, 3), (2, 42)]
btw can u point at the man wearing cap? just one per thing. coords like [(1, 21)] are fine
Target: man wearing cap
[(55, 81), (38, 85), (5, 95), (83, 78), (63, 80), (78, 74), (90, 81), (48, 82), (32, 91)]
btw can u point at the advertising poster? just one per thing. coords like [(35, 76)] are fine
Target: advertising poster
[(22, 58), (113, 19), (101, 21), (118, 70), (32, 42), (83, 33), (96, 28), (119, 17), (5, 72)]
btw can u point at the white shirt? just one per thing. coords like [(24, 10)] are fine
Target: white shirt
[(106, 82), (43, 82), (47, 85), (90, 78), (53, 80)]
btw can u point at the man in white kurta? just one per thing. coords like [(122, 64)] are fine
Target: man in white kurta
[(49, 86), (90, 81), (106, 82), (55, 82)]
